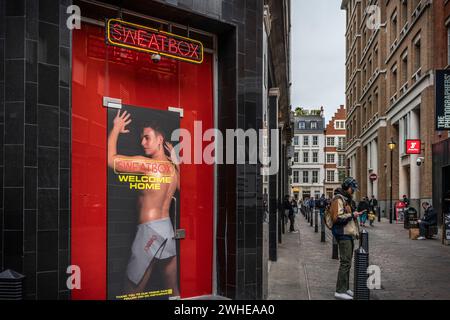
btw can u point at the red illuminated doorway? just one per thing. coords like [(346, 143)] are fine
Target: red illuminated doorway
[(97, 72)]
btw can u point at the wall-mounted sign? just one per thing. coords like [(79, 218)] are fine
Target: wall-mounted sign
[(373, 177), (135, 37), (442, 100), (413, 146)]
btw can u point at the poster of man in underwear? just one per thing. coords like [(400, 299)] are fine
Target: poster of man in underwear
[(143, 191)]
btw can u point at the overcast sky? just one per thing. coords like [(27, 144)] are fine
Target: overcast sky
[(318, 54)]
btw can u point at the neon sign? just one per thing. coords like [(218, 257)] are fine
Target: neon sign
[(135, 37)]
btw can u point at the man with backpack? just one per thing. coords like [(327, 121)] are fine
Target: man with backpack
[(343, 221), (322, 204)]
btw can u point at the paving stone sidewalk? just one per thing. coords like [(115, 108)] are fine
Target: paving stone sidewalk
[(417, 270)]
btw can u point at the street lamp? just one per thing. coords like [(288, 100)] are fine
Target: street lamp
[(391, 145)]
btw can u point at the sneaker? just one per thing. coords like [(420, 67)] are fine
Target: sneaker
[(342, 296), (421, 238), (296, 231), (350, 293)]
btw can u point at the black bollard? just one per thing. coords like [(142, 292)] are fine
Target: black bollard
[(322, 229), (361, 291), (311, 220), (335, 250), (364, 240), (316, 222)]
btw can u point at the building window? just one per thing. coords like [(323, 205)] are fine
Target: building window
[(417, 54), (313, 124), (340, 125), (296, 177), (315, 140), (341, 143), (296, 157), (394, 28), (341, 160), (315, 177), (305, 157), (301, 125), (306, 141), (330, 142), (330, 158), (342, 175), (394, 81), (404, 13), (305, 177), (296, 141), (315, 158), (404, 68), (330, 176)]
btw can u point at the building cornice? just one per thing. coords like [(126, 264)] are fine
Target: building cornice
[(404, 103), (371, 132), (351, 149)]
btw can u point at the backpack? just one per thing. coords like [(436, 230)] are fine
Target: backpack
[(327, 217)]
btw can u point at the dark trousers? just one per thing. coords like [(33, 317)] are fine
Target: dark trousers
[(292, 220), (423, 226), (346, 255)]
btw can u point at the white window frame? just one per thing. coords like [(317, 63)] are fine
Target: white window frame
[(306, 153), (305, 176), (333, 174), (329, 139), (296, 179), (317, 141), (313, 125), (331, 155), (296, 158), (306, 140), (302, 125), (315, 176), (316, 158)]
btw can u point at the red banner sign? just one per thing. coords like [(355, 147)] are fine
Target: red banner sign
[(135, 37), (413, 146)]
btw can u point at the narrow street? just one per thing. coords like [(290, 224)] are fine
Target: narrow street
[(410, 269)]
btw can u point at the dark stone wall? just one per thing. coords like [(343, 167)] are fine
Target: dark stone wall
[(35, 144), (35, 122)]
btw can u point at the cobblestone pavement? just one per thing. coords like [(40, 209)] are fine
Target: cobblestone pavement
[(418, 270)]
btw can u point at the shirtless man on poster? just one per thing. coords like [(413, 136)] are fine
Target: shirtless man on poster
[(154, 239)]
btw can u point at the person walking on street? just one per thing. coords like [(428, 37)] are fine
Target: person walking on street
[(322, 205), (373, 209), (290, 212), (345, 229), (294, 206), (363, 207)]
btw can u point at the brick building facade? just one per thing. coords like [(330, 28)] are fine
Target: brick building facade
[(390, 94), (335, 159)]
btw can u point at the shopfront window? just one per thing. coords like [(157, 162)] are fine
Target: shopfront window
[(111, 200)]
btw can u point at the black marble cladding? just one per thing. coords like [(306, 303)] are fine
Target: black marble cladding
[(34, 226)]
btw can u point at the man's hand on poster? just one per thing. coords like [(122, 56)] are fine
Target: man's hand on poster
[(121, 121)]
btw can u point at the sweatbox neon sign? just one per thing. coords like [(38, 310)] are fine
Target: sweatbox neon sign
[(135, 37)]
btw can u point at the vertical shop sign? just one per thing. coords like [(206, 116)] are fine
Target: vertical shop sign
[(442, 100)]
